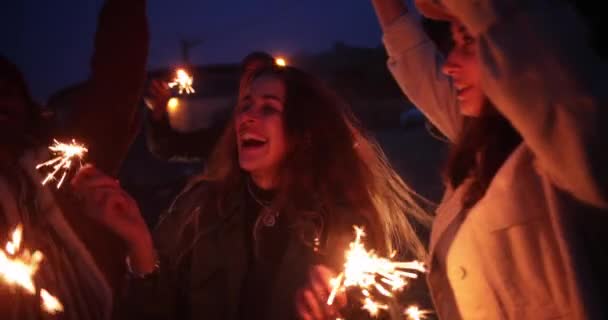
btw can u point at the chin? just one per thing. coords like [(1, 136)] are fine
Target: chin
[(250, 165), (472, 110)]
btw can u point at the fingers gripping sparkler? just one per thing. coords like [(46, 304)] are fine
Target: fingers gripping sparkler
[(183, 81), (65, 154), (370, 273)]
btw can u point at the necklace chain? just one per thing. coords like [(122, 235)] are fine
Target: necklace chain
[(265, 204)]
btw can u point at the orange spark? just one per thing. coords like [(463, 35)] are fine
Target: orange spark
[(18, 266), (183, 81), (65, 154), (50, 303), (362, 269)]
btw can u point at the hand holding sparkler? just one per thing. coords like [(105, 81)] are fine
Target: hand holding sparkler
[(157, 99), (311, 300), (107, 203)]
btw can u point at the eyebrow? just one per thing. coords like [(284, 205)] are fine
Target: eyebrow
[(272, 97)]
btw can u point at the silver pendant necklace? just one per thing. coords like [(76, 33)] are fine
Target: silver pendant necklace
[(269, 216)]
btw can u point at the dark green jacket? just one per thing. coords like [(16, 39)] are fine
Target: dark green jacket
[(206, 282)]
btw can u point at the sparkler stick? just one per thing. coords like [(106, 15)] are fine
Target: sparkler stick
[(373, 274), (18, 270), (183, 81), (65, 154)]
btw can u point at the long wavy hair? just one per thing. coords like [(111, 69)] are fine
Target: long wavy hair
[(332, 167), (482, 147)]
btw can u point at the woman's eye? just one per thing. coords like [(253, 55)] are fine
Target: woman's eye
[(468, 40), (245, 107), (267, 110)]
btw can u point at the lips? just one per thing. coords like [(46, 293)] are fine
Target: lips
[(251, 140), (461, 90)]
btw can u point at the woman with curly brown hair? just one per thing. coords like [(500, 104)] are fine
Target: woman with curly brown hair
[(271, 215)]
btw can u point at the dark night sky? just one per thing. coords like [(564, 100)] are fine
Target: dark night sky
[(51, 41)]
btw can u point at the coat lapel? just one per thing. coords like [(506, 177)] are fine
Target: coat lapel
[(449, 212)]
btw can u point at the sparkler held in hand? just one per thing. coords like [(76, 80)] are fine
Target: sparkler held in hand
[(183, 81), (372, 274)]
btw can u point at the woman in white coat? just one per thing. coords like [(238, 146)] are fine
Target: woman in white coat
[(520, 233)]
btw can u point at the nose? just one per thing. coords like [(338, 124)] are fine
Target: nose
[(451, 66), (249, 116)]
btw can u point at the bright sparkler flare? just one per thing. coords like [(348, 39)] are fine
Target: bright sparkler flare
[(19, 269), (65, 154), (50, 303), (183, 81), (414, 313), (370, 273), (281, 62)]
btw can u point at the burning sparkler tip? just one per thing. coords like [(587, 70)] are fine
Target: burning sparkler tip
[(18, 269), (64, 155), (183, 81), (375, 276)]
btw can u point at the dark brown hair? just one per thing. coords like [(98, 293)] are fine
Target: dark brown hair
[(332, 166), (483, 146)]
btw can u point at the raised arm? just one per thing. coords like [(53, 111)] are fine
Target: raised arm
[(541, 73), (106, 108), (416, 64)]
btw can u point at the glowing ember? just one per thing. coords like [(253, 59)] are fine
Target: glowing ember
[(414, 313), (50, 303), (65, 154), (372, 274), (373, 307), (19, 271), (281, 62), (172, 105), (13, 245), (17, 267), (183, 81)]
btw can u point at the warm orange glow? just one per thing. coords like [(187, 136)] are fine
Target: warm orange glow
[(172, 105), (365, 270), (280, 61), (414, 313), (65, 154), (183, 81), (18, 266), (19, 270), (50, 303)]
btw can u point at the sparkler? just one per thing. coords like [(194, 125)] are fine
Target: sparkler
[(281, 62), (373, 274), (414, 313), (49, 303), (172, 105), (183, 81), (18, 270), (65, 154)]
